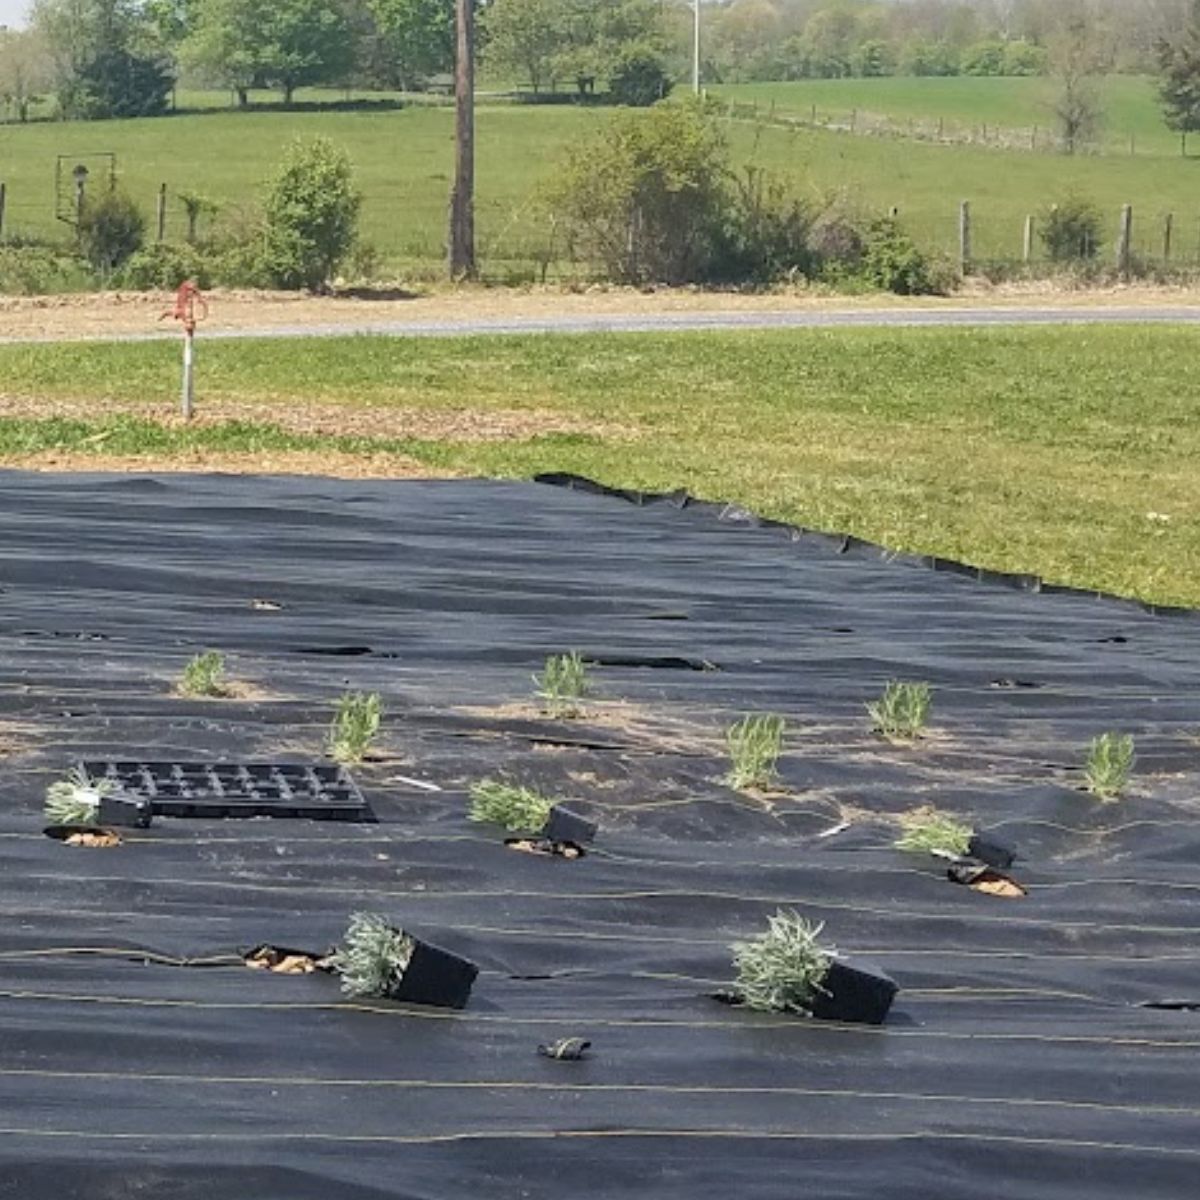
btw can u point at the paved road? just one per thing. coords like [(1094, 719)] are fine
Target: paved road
[(694, 321)]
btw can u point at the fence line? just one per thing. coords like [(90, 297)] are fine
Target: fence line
[(1037, 139), (1133, 239)]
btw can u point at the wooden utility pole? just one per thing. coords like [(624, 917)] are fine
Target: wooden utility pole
[(964, 237), (462, 198)]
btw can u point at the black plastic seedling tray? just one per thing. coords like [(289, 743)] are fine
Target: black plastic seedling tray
[(324, 792)]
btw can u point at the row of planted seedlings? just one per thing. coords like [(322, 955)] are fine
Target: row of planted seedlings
[(788, 967)]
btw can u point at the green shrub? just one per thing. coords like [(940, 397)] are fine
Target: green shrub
[(311, 215), (111, 228), (373, 956), (117, 83), (782, 969), (643, 196), (1110, 763), (902, 711), (984, 58), (204, 675), (164, 266), (562, 684), (892, 262), (32, 269), (76, 799), (755, 744), (1072, 231), (517, 809), (765, 233), (837, 238), (356, 720), (929, 831), (639, 78)]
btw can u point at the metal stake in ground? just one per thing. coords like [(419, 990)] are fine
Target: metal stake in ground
[(190, 307)]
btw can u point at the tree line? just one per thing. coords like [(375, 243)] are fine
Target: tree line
[(759, 40), (122, 58)]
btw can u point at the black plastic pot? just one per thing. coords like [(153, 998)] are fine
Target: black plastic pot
[(123, 808), (993, 853), (854, 992), (435, 976), (566, 826)]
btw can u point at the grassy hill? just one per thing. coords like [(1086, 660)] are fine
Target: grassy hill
[(965, 105), (404, 161)]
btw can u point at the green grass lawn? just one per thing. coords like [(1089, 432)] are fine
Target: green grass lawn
[(966, 104), (403, 161), (1071, 453)]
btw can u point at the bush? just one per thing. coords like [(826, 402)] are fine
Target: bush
[(116, 83), (311, 216), (837, 236), (645, 195), (873, 60), (1024, 58), (164, 267), (765, 235), (984, 58), (34, 269), (891, 261), (235, 248), (651, 199), (1072, 231), (639, 78), (928, 58), (111, 228)]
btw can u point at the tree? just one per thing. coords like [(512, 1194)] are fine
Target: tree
[(108, 60), (270, 43), (828, 43), (639, 78), (524, 37), (111, 228), (1078, 58), (1179, 83), (744, 40), (543, 41), (414, 38), (172, 20), (25, 71), (311, 215), (644, 195), (115, 83)]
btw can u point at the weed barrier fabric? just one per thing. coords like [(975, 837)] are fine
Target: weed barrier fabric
[(1039, 1048)]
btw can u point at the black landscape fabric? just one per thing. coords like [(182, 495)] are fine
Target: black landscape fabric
[(1042, 1048)]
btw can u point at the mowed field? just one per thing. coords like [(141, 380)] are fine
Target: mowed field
[(1071, 453), (966, 104), (404, 160)]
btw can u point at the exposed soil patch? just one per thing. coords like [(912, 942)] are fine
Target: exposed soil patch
[(331, 420), (274, 462), (15, 738), (114, 314)]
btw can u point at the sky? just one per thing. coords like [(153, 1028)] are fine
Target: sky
[(12, 12)]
